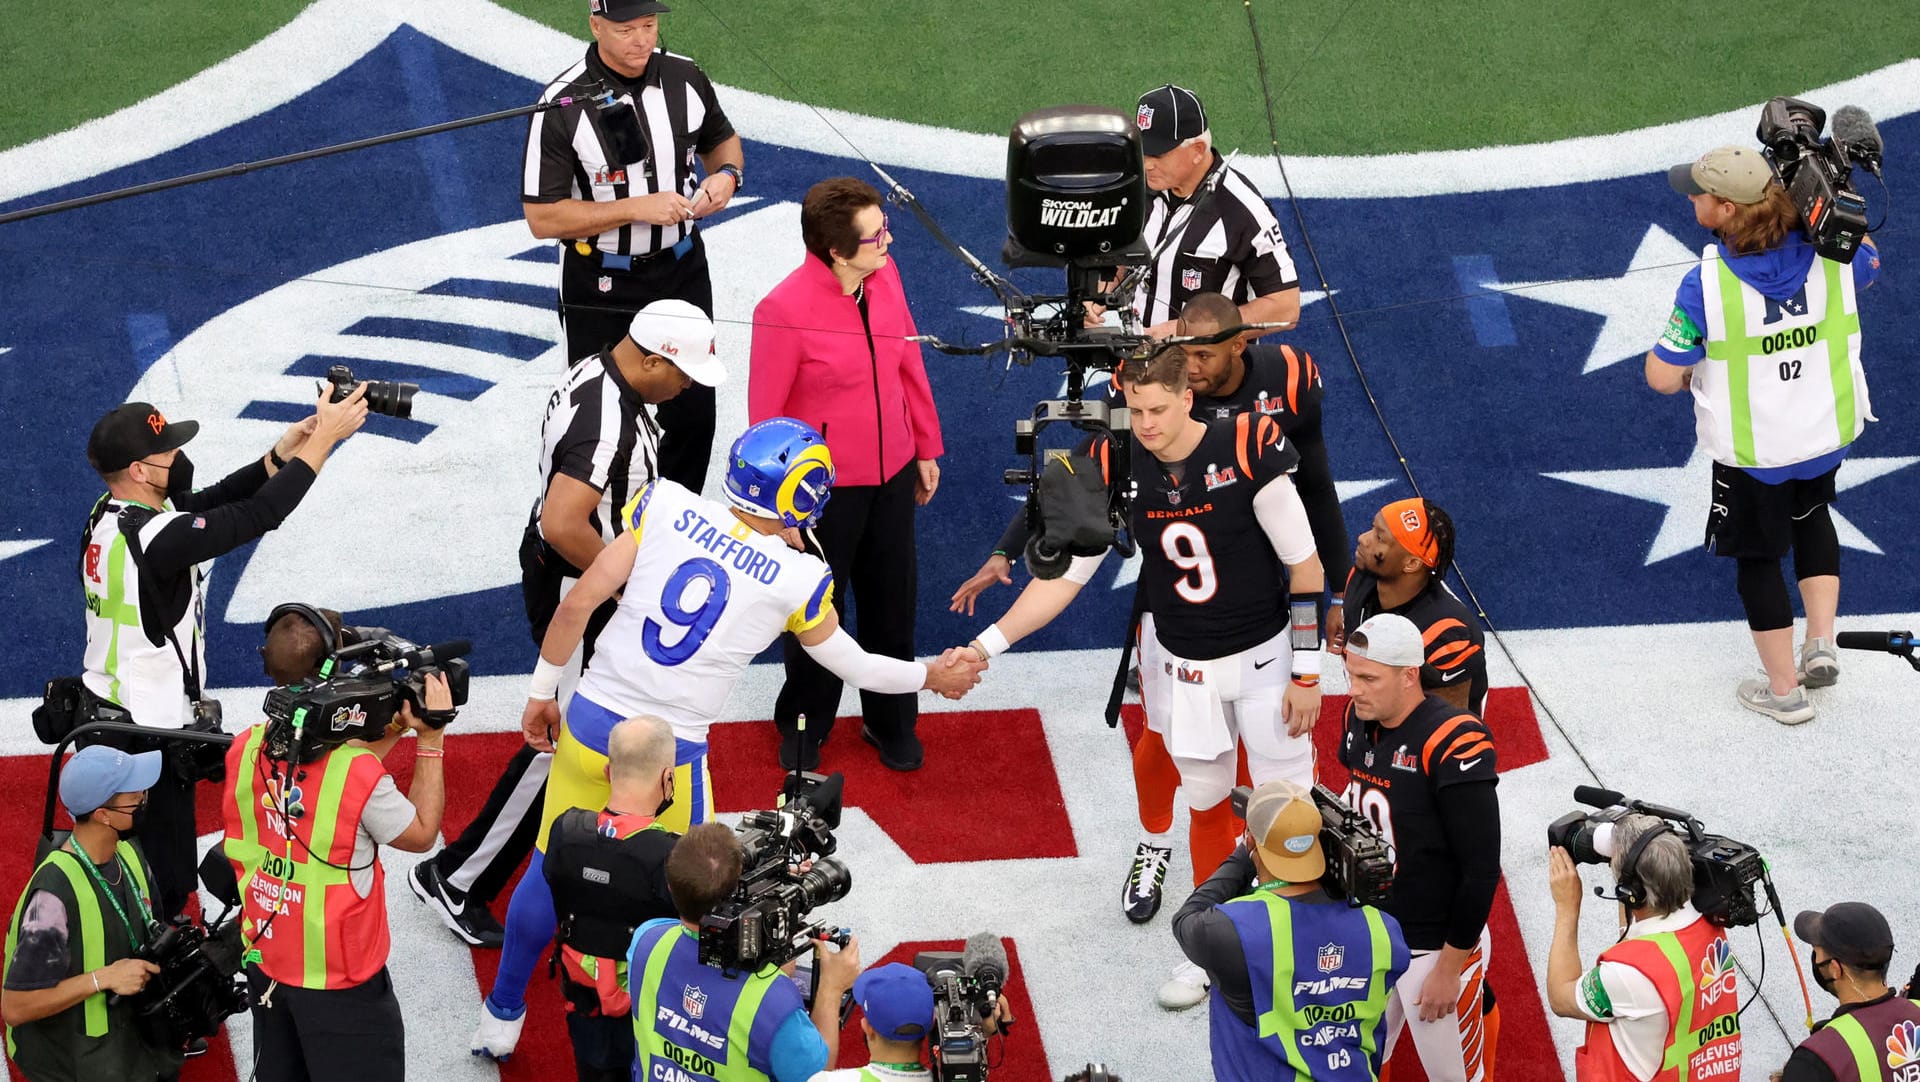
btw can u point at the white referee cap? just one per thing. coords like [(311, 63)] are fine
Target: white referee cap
[(683, 334)]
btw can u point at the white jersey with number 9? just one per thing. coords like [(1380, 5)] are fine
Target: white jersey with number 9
[(706, 595)]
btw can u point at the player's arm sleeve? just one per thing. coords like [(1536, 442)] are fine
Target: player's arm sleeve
[(844, 658), (1207, 936), (715, 128), (196, 537), (237, 485), (1805, 1066), (1470, 815), (1313, 479), (388, 813), (41, 955), (798, 1052), (773, 360), (1284, 518), (548, 164), (1683, 343)]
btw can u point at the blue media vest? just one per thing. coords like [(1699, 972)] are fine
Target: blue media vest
[(691, 1023)]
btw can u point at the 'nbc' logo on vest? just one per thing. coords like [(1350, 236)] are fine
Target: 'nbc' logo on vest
[(1716, 973), (1903, 1045)]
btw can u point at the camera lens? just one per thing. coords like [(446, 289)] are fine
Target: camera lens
[(827, 881), (1046, 560), (391, 398)]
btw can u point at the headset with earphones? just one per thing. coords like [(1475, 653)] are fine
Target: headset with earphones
[(329, 630), (1629, 888)]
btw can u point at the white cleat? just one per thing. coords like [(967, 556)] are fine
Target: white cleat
[(1185, 989)]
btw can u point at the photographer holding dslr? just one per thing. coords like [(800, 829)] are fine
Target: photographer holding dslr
[(65, 956), (307, 805), (696, 1021), (1662, 1002), (146, 594), (1259, 923)]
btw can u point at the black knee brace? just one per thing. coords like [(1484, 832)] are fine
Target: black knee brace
[(1763, 592), (1816, 547)]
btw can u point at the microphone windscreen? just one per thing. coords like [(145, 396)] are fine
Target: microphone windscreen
[(1596, 797), (1864, 640), (1853, 125), (985, 956), (452, 648)]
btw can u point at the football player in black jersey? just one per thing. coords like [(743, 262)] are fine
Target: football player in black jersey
[(1423, 771), (1230, 642), (1399, 566)]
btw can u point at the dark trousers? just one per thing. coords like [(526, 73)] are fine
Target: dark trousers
[(594, 318), (320, 1035), (866, 536), (603, 1048)]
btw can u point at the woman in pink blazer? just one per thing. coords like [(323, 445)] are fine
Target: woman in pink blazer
[(830, 348)]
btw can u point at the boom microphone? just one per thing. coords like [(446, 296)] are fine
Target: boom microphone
[(1595, 797), (1887, 642), (984, 958), (428, 656), (1855, 128)]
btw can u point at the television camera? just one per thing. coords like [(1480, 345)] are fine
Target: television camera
[(1818, 173), (1724, 870), (361, 686), (1076, 201), (1359, 860), (787, 869), (966, 989)]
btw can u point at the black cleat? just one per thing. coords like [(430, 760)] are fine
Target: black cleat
[(468, 920), (1141, 897)]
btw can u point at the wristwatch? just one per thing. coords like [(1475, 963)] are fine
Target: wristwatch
[(739, 178)]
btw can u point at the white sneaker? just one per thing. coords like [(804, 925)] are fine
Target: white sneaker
[(496, 1037), (1186, 988)]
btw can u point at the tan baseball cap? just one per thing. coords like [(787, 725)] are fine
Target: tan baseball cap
[(1736, 174), (1286, 827)]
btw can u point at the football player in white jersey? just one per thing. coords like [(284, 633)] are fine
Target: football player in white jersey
[(704, 589)]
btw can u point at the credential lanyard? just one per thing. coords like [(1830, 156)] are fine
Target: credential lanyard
[(133, 936)]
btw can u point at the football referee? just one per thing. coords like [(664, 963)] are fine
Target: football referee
[(617, 187), (1229, 243)]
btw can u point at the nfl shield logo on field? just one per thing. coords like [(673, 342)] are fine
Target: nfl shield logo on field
[(1144, 118), (1190, 278), (1332, 957), (694, 1000), (606, 283)]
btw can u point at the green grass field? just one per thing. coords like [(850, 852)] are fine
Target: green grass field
[(1349, 76)]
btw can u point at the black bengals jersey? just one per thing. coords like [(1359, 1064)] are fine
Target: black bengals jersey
[(1208, 571), (1456, 647), (1279, 383), (1398, 776)]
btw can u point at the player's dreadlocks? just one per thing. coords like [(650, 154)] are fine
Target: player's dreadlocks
[(1440, 524)]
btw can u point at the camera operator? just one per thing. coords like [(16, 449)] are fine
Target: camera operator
[(1777, 400), (1669, 955), (896, 1017), (693, 1021), (65, 954), (313, 891), (1424, 772), (608, 871), (1254, 924), (1400, 566), (1852, 949), (146, 604)]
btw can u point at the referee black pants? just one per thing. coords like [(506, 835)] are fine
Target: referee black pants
[(595, 317), (481, 860), (866, 537), (324, 1034)]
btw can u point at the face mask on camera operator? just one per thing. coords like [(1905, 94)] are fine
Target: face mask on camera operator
[(1852, 948), (685, 1012), (1668, 950), (1249, 926), (85, 912)]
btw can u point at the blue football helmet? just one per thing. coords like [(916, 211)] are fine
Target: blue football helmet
[(780, 469)]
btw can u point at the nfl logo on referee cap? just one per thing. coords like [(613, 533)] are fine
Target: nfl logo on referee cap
[(1331, 957), (1144, 118)]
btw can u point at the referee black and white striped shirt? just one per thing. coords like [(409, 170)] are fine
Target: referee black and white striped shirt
[(568, 157), (1230, 245), (598, 432)]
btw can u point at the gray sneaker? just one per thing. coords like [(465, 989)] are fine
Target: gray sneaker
[(1793, 708), (1819, 664)]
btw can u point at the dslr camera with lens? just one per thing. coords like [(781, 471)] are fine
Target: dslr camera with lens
[(1359, 860), (391, 398), (787, 871), (1724, 871)]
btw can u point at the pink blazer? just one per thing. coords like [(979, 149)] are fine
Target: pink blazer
[(810, 361)]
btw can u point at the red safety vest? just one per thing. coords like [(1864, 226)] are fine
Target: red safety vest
[(325, 935), (1693, 971)]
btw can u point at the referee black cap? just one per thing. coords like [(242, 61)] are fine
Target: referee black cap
[(131, 432), (1168, 116), (621, 11)]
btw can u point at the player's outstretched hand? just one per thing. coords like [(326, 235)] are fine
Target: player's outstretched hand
[(997, 569), (539, 722), (955, 673), (1300, 708)]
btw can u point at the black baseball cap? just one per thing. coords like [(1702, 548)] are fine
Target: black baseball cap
[(621, 11), (131, 432), (1168, 116), (1853, 932)]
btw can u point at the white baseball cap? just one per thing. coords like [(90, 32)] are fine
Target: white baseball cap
[(683, 334), (1390, 639)]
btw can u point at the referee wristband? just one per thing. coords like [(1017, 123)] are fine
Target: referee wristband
[(545, 685), (993, 641)]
